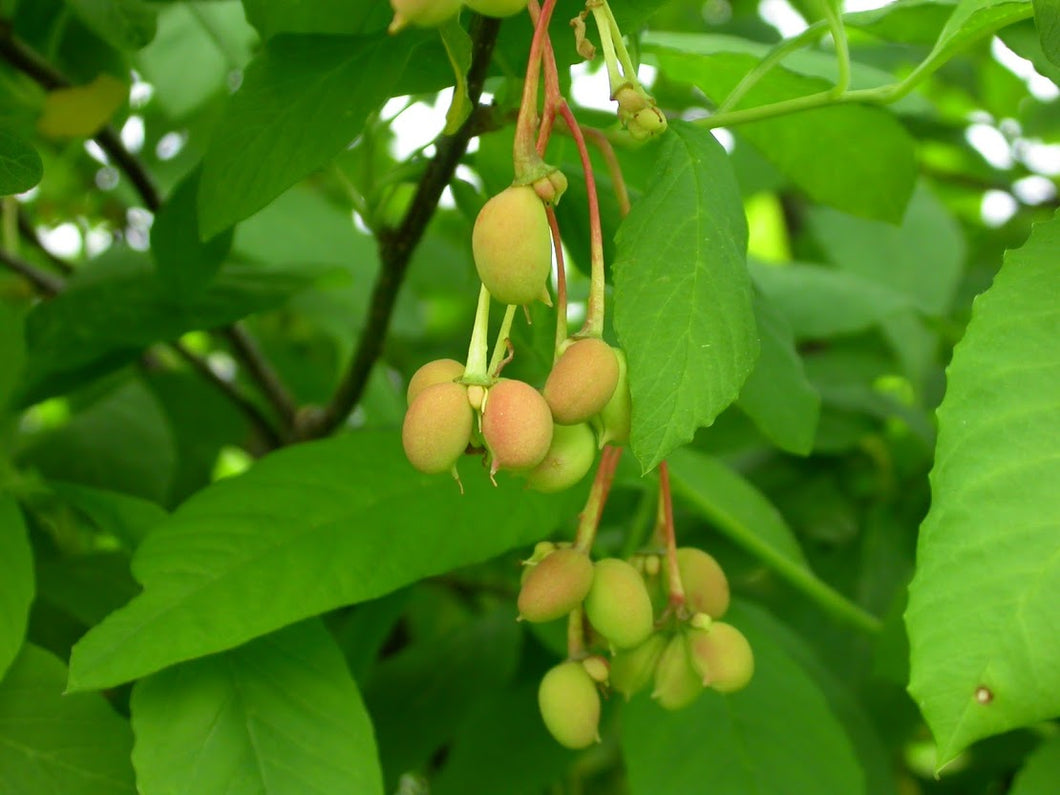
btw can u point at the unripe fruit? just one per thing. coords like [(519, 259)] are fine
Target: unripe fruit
[(582, 380), (598, 668), (705, 584), (556, 585), (677, 683), (570, 705), (437, 428), (439, 371), (516, 425), (512, 245), (421, 13), (614, 419), (721, 656), (632, 669), (618, 605), (496, 8), (569, 458)]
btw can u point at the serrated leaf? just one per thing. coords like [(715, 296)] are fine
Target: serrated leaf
[(53, 743), (20, 165), (280, 715), (305, 530), (302, 101), (854, 157), (1047, 20), (991, 538), (16, 573), (1041, 771), (972, 20), (778, 396), (734, 744), (682, 295), (185, 263), (125, 24)]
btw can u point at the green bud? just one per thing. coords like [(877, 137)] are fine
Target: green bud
[(632, 669), (721, 656), (618, 605), (570, 705), (556, 585), (677, 683)]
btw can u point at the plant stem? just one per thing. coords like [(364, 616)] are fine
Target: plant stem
[(524, 154), (477, 350), (395, 249), (589, 519), (576, 633), (842, 49), (779, 52), (262, 373), (614, 169), (669, 538), (561, 282), (44, 282), (500, 348)]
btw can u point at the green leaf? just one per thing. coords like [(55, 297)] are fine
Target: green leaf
[(820, 302), (991, 539), (104, 446), (52, 743), (12, 352), (279, 715), (1047, 19), (777, 396), (679, 251), (1041, 771), (123, 516), (972, 20), (458, 48), (922, 259), (305, 530), (331, 17), (16, 573), (904, 21), (20, 165), (855, 157), (125, 24), (185, 263), (117, 307), (302, 101), (734, 744)]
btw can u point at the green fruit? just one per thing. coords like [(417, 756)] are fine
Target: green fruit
[(582, 381), (677, 683), (516, 425), (496, 8), (437, 428), (614, 419), (512, 245), (569, 458), (556, 585), (706, 586), (437, 372), (421, 13), (632, 670), (721, 656), (618, 605), (570, 705)]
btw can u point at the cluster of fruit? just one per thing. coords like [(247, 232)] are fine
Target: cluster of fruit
[(432, 13), (551, 435), (626, 604)]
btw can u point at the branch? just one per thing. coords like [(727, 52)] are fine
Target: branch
[(46, 283), (396, 247), (262, 372)]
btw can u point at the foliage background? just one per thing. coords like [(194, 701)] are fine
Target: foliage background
[(219, 249)]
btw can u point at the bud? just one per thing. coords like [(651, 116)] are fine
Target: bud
[(618, 605), (632, 669), (721, 656), (550, 189), (570, 705), (677, 683), (597, 668), (555, 586)]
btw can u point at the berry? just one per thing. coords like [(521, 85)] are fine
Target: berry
[(569, 458), (516, 425), (705, 584), (632, 669), (677, 683), (618, 605), (582, 381), (437, 372), (570, 705), (615, 417), (496, 8), (421, 13), (556, 585), (512, 245), (437, 428), (721, 656)]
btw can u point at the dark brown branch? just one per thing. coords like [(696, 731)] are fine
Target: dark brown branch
[(261, 371), (45, 282), (396, 246), (28, 232)]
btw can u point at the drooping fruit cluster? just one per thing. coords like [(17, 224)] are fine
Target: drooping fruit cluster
[(677, 650)]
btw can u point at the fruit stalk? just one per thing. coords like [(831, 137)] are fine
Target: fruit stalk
[(524, 155), (561, 283), (669, 538), (589, 519), (475, 372)]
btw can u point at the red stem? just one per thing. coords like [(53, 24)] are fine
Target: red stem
[(669, 537), (561, 279), (525, 150)]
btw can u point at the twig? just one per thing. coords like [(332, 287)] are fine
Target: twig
[(262, 372), (46, 283), (395, 248)]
